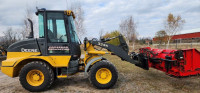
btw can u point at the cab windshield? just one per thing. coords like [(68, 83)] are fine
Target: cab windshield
[(74, 37)]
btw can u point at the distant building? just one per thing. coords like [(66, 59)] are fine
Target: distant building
[(186, 36)]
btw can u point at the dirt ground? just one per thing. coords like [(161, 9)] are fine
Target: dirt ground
[(131, 79)]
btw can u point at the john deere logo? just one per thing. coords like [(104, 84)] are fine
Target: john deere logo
[(28, 50)]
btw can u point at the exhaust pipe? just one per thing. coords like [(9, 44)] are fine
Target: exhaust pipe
[(31, 33)]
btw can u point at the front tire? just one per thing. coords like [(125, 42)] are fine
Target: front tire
[(103, 75), (36, 76)]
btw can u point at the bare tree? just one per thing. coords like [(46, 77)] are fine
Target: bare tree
[(26, 27), (9, 37), (128, 29), (76, 7), (172, 25)]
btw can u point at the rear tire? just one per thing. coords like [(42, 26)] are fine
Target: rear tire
[(36, 76), (103, 75)]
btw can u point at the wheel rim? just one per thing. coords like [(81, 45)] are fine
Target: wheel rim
[(103, 75), (35, 77)]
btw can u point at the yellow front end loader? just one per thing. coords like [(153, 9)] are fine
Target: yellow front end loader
[(56, 54)]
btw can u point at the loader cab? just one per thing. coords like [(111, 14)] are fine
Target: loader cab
[(57, 33)]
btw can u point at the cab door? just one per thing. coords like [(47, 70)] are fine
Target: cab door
[(57, 38)]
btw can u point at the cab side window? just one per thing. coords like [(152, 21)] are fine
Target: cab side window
[(41, 25)]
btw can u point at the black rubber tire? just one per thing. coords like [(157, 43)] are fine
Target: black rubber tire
[(96, 67), (44, 68)]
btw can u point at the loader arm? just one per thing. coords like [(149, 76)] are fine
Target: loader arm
[(121, 50), (115, 50)]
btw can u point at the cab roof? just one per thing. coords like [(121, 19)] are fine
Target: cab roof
[(66, 12)]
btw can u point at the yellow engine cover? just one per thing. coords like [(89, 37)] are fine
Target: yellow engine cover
[(9, 66)]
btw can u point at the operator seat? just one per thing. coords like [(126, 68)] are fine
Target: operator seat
[(51, 36)]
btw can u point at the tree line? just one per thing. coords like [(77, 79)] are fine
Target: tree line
[(127, 27)]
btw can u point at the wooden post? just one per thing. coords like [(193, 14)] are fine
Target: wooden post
[(176, 43), (191, 42)]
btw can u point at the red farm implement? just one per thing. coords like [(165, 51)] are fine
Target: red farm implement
[(178, 63)]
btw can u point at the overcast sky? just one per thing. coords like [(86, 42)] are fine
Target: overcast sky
[(107, 14)]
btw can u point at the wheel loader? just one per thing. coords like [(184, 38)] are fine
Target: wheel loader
[(56, 54)]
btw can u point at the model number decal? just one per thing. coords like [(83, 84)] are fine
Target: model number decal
[(102, 44), (58, 48), (28, 50)]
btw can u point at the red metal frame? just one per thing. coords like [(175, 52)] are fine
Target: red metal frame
[(187, 65)]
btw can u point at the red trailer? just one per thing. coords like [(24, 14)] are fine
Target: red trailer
[(178, 63)]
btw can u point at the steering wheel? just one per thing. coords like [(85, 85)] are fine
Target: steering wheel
[(60, 39)]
